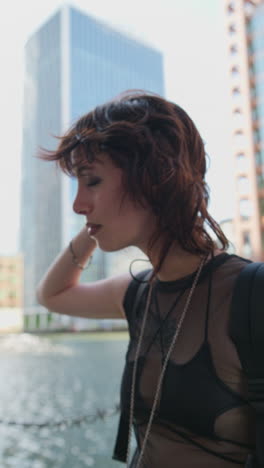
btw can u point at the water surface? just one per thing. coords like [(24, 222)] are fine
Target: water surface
[(53, 378)]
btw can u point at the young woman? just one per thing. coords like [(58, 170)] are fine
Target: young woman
[(140, 165)]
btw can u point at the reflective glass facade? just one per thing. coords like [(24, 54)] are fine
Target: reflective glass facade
[(257, 31), (104, 62), (40, 198), (257, 34)]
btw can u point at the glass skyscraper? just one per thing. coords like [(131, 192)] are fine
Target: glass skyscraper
[(73, 63), (256, 27)]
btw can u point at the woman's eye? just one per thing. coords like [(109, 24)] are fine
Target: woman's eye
[(93, 182)]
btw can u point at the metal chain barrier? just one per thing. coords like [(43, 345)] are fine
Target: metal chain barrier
[(100, 414)]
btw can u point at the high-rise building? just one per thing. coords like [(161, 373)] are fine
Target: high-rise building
[(73, 63), (245, 37), (11, 285)]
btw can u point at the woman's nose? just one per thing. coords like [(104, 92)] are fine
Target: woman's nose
[(81, 204)]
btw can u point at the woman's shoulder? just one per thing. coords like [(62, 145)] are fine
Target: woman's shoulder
[(228, 270), (235, 263), (140, 278), (136, 284)]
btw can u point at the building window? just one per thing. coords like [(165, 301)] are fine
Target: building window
[(235, 71), (260, 181), (231, 7), (255, 114), (262, 240), (238, 117), (249, 9), (236, 93), (242, 162), (251, 49), (258, 158), (245, 209), (243, 185), (246, 238), (237, 112), (256, 136), (239, 139), (233, 49), (252, 71), (261, 207), (232, 29), (246, 244)]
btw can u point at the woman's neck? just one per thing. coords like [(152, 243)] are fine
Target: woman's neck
[(179, 263)]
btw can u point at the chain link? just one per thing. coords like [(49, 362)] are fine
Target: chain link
[(100, 414)]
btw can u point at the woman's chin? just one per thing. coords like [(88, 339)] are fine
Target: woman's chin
[(110, 246)]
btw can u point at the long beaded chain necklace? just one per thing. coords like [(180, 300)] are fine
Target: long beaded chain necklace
[(133, 385)]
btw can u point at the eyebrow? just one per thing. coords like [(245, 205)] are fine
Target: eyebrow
[(83, 169), (87, 167)]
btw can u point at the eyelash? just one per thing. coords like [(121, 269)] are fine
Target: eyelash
[(93, 182)]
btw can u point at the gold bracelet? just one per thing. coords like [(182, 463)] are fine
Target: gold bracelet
[(75, 259)]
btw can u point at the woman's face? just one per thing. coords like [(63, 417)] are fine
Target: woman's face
[(114, 220)]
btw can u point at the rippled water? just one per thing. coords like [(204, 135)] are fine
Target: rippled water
[(49, 379)]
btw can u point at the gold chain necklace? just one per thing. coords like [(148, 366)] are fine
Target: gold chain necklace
[(173, 341)]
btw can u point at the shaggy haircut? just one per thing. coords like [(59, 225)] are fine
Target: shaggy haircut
[(163, 160)]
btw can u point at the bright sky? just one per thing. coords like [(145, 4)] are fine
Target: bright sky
[(190, 33)]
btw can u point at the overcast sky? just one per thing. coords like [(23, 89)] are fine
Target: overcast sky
[(190, 33)]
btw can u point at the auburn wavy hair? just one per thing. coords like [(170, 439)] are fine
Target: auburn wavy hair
[(163, 160)]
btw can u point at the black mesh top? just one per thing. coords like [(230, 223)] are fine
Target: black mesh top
[(203, 419)]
